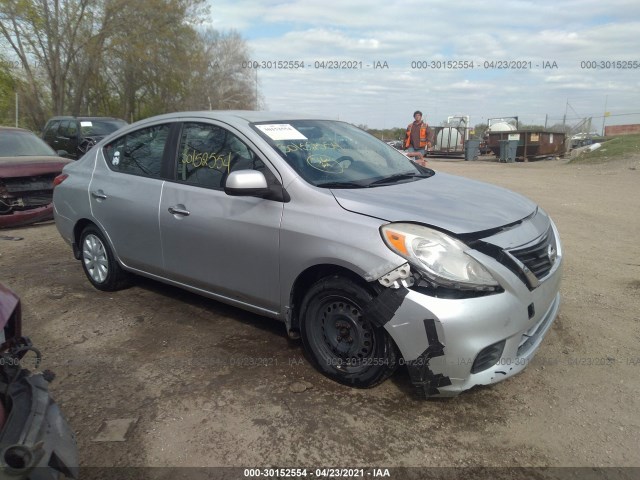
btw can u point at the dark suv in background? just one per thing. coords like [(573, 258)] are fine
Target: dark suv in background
[(71, 137)]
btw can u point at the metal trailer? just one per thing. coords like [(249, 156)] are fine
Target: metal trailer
[(449, 139)]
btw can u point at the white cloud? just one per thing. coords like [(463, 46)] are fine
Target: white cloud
[(535, 34)]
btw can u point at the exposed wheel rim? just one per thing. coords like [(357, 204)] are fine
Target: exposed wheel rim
[(94, 256), (341, 335)]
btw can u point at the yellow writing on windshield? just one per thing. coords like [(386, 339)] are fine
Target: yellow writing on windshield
[(324, 164), (311, 147), (206, 159)]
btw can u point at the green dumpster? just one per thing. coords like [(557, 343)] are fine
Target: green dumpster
[(503, 150), (471, 149), (508, 150)]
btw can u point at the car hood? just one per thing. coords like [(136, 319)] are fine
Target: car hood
[(26, 166), (448, 202), (97, 137)]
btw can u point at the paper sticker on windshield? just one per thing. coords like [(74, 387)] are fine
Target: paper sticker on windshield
[(281, 131), (86, 124)]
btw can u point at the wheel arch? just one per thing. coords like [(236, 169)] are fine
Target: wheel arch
[(79, 227), (307, 278)]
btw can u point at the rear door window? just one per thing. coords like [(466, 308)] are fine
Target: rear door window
[(72, 129), (139, 152), (63, 131)]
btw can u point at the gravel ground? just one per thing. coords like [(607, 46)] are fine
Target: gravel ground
[(211, 385)]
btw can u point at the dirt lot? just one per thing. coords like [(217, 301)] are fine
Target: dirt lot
[(211, 385)]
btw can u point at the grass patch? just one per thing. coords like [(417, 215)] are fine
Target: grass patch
[(617, 148)]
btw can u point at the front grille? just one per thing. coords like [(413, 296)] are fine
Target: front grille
[(25, 202), (29, 184), (536, 257), (26, 193), (531, 263), (35, 201)]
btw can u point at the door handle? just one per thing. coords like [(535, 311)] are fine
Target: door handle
[(179, 211), (99, 194)]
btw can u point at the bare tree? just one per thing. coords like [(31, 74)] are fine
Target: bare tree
[(122, 58), (48, 37), (224, 79)]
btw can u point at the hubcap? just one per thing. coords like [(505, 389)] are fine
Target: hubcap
[(345, 333), (95, 258)]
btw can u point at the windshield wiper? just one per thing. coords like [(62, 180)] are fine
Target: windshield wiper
[(342, 185), (398, 176)]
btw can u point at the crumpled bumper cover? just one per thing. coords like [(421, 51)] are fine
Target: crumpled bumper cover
[(36, 442), (18, 218), (442, 339)]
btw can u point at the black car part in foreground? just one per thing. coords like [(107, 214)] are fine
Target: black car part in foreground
[(36, 442)]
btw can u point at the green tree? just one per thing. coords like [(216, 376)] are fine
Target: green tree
[(150, 60), (7, 93), (479, 129), (523, 126), (388, 134)]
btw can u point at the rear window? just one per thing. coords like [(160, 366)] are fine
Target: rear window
[(23, 144), (100, 127)]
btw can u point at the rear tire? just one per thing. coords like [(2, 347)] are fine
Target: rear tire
[(339, 340), (99, 263)]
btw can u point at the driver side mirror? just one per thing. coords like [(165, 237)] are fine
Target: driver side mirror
[(246, 183)]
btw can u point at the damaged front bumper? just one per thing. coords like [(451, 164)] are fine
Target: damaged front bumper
[(36, 442), (19, 218), (452, 345)]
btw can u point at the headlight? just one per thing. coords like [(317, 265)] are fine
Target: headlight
[(441, 258)]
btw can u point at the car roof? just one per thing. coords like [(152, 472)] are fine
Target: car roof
[(70, 117), (234, 117)]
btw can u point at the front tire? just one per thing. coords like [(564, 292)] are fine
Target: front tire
[(339, 340), (99, 263)]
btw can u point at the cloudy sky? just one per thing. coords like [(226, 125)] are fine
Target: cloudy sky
[(420, 42)]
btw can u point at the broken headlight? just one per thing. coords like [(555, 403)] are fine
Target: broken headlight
[(442, 259)]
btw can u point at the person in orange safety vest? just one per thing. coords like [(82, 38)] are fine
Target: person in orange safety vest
[(416, 138)]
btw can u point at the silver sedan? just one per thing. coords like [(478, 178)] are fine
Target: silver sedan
[(373, 260)]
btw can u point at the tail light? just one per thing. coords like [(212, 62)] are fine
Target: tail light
[(59, 179)]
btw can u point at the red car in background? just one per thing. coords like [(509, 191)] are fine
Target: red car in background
[(27, 169)]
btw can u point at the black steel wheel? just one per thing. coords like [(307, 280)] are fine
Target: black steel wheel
[(99, 263), (340, 340)]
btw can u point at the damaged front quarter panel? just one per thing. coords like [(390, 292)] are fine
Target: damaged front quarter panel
[(411, 336), (454, 340)]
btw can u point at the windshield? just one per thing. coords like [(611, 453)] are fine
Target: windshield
[(335, 154), (16, 143), (100, 127)]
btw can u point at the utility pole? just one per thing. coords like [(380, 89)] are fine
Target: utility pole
[(604, 116), (17, 108)]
